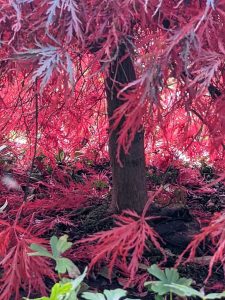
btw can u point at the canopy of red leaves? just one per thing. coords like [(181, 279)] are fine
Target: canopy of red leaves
[(54, 58), (55, 55)]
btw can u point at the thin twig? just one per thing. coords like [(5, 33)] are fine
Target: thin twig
[(35, 146)]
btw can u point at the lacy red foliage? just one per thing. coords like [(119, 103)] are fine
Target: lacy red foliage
[(21, 271), (179, 92), (22, 223), (54, 58), (123, 245), (215, 232), (191, 177)]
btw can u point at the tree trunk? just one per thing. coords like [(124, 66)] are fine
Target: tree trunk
[(129, 184)]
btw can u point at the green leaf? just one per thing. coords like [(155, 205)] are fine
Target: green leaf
[(39, 251), (76, 282), (53, 243), (55, 291), (61, 155), (93, 296), (171, 275), (160, 288), (62, 244), (182, 290), (166, 278), (71, 296), (157, 297), (59, 290), (149, 283), (114, 294), (184, 281), (215, 295), (63, 265), (73, 271), (157, 272)]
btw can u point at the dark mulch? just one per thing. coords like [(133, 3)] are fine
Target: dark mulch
[(177, 226)]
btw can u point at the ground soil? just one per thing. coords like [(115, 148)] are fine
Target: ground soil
[(176, 227)]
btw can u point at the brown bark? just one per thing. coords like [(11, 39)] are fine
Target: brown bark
[(129, 185)]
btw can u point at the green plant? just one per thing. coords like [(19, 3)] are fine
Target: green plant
[(106, 295), (58, 247), (59, 291), (190, 292), (60, 156), (171, 283), (100, 184), (166, 278), (66, 289)]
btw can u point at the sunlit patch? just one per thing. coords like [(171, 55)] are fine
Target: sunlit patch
[(10, 183)]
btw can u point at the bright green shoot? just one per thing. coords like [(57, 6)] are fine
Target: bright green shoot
[(116, 294), (169, 283), (190, 292), (65, 290), (58, 247), (165, 278)]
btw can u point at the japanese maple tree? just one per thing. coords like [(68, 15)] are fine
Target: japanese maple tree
[(72, 71), (160, 64)]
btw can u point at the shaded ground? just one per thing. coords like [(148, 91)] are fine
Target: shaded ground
[(180, 220), (183, 209)]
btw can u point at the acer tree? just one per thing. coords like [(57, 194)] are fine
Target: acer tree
[(128, 169), (72, 71), (159, 63)]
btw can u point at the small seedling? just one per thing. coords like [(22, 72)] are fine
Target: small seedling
[(116, 294), (171, 283), (166, 278), (100, 185), (58, 247), (67, 290), (190, 292)]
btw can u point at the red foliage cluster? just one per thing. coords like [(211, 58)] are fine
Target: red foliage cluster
[(51, 194), (54, 58), (123, 246), (215, 232), (21, 271), (47, 64)]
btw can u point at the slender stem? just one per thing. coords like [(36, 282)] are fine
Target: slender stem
[(35, 146), (150, 200)]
